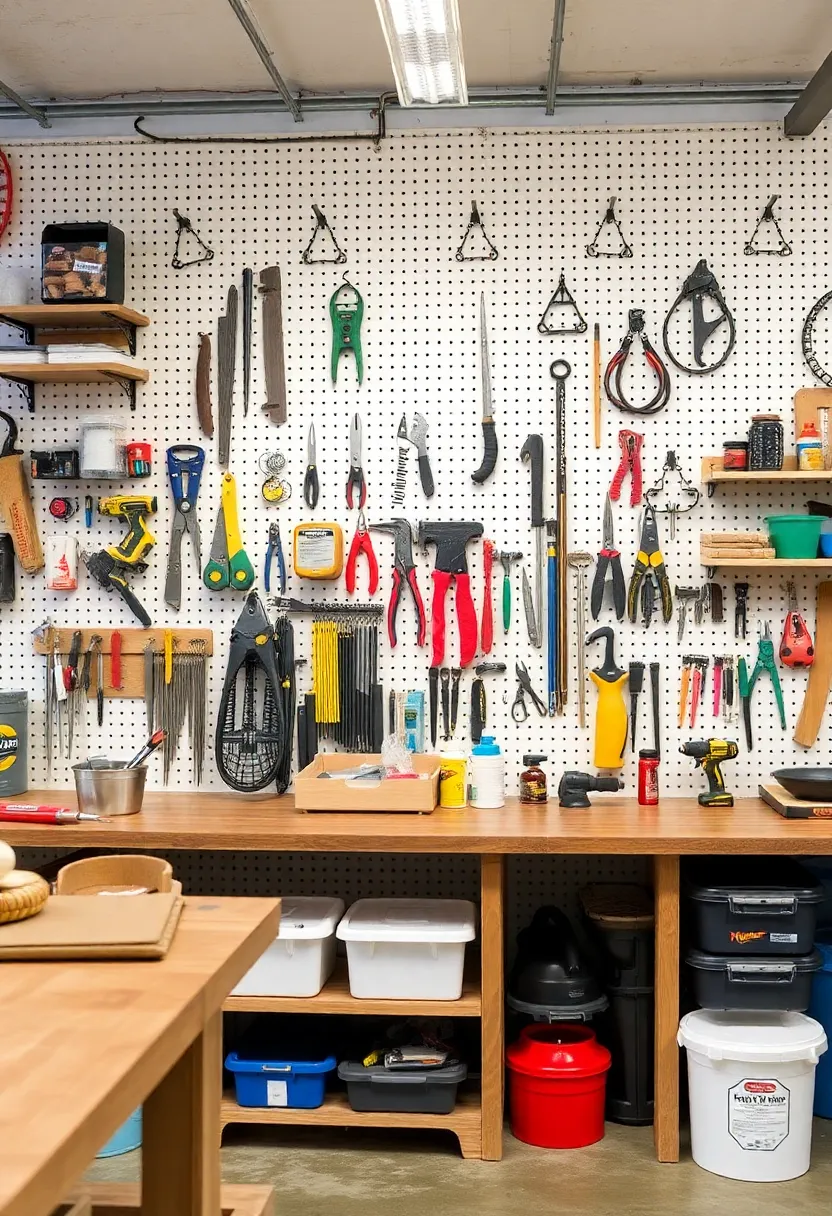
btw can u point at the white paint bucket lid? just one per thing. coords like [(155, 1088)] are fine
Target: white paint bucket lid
[(754, 1037)]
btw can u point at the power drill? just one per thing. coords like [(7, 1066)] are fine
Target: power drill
[(709, 754), (574, 787), (110, 566)]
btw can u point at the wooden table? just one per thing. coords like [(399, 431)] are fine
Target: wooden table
[(613, 825), (82, 1044)]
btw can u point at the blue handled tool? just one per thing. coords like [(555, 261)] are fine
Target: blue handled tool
[(185, 463), (275, 549)]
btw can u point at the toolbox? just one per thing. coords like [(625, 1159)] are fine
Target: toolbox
[(751, 905), (418, 796), (299, 1080), (723, 981), (427, 1091)]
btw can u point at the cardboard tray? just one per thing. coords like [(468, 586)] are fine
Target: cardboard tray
[(416, 797), (97, 927)]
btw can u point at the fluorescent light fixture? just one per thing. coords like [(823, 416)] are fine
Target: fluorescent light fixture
[(423, 40)]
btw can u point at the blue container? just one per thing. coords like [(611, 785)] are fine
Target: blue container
[(279, 1082), (126, 1139), (820, 1008)]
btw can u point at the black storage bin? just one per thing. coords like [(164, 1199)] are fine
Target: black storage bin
[(628, 1030), (82, 263), (720, 981), (427, 1091), (751, 905)]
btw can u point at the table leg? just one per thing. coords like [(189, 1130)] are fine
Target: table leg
[(492, 878), (666, 1085), (181, 1135)]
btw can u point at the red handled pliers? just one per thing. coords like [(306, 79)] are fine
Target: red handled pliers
[(362, 543)]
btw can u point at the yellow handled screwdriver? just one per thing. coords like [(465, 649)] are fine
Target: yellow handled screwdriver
[(611, 714)]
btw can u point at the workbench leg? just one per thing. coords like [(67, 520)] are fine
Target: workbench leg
[(666, 996), (181, 1133), (492, 880)]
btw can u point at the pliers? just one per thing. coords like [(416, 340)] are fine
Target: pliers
[(356, 481), (275, 549), (362, 543), (519, 710), (404, 572), (649, 574), (609, 562), (765, 662)]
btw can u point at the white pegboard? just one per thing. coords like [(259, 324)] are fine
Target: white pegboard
[(400, 212)]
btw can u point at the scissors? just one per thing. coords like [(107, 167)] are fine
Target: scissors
[(356, 481), (519, 709), (311, 486)]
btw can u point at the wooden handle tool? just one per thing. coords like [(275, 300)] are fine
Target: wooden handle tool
[(820, 673)]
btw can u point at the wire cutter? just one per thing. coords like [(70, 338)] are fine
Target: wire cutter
[(609, 562), (519, 709), (362, 543), (311, 485), (275, 549), (404, 572), (765, 662), (185, 463), (649, 574), (356, 481)]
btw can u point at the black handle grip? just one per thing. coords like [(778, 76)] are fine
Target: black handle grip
[(532, 450), (135, 606), (426, 476), (489, 457), (477, 710), (7, 579)]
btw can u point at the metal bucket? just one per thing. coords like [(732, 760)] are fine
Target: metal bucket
[(116, 790)]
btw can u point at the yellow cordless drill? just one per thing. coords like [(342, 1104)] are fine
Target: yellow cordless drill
[(111, 566), (709, 754)]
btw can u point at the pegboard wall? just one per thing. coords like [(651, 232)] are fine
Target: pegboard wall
[(399, 212)]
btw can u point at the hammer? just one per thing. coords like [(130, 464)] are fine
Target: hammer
[(451, 539), (506, 559)]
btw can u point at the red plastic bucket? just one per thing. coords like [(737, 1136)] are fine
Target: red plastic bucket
[(557, 1083)]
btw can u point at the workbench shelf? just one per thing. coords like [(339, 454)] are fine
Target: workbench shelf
[(464, 1121), (773, 563), (713, 474)]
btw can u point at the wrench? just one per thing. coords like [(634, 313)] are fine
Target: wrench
[(580, 562)]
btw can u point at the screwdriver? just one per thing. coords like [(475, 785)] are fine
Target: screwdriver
[(636, 682), (19, 812)]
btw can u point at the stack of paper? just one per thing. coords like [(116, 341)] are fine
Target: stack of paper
[(87, 352), (22, 354)]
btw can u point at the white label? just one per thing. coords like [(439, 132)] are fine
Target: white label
[(277, 1093), (87, 267), (758, 1114), (783, 939), (316, 549)]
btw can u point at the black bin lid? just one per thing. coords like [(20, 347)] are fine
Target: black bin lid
[(715, 879), (773, 964)]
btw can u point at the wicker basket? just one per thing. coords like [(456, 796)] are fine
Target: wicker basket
[(21, 902)]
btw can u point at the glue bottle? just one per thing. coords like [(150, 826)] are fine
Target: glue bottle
[(488, 775)]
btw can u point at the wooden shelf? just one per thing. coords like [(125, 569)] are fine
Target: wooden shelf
[(774, 563), (73, 373), (72, 316), (713, 474), (465, 1121), (336, 998)]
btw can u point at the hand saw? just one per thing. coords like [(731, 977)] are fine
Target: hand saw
[(226, 364)]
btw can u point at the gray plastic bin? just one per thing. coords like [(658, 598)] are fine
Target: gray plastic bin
[(427, 1091)]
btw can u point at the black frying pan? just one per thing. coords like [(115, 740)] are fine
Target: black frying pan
[(814, 784)]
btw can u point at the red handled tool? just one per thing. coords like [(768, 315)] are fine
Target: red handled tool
[(404, 572), (11, 812), (796, 649), (487, 624), (451, 539), (115, 659), (362, 543), (630, 443)]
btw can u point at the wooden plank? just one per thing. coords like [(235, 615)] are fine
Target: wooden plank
[(463, 1121), (771, 563), (103, 1036), (123, 1199), (714, 474), (190, 819), (492, 947), (666, 1084), (336, 998), (133, 643), (74, 373), (72, 316), (181, 1131), (806, 404)]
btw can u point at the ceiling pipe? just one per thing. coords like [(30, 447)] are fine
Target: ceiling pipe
[(554, 56), (813, 104), (22, 104), (245, 19)]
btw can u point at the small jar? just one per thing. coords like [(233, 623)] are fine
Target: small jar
[(533, 786), (810, 449), (765, 442), (735, 455), (648, 777)]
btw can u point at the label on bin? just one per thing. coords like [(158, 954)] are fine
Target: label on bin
[(758, 1114), (783, 939), (277, 1093)]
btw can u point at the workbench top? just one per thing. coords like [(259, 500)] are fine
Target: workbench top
[(188, 820)]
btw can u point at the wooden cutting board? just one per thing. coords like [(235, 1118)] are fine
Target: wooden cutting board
[(820, 673), (806, 402), (790, 807)]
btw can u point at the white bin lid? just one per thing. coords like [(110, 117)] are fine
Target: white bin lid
[(754, 1037), (409, 920), (308, 916)]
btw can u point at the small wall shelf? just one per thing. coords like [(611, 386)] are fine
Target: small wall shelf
[(713, 474)]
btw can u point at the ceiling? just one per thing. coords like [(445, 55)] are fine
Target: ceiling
[(62, 49)]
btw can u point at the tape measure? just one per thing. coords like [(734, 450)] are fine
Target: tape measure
[(318, 550)]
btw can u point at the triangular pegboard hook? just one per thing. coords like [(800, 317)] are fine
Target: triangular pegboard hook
[(322, 226), (624, 251), (476, 222), (783, 249), (562, 298)]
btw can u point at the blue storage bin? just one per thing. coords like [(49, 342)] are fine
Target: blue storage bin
[(820, 1009), (126, 1139), (279, 1082)]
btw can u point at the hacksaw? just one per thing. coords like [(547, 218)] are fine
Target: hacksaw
[(270, 290)]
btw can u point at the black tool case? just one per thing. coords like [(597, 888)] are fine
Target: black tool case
[(751, 905), (427, 1091), (723, 981)]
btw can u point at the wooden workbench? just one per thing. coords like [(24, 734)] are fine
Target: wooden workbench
[(613, 825), (82, 1044)]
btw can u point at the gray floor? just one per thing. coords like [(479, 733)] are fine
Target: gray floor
[(363, 1173)]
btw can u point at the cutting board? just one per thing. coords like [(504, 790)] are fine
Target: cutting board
[(806, 402), (790, 807), (95, 926)]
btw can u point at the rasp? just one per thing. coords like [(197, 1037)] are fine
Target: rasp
[(270, 290), (204, 408), (226, 362)]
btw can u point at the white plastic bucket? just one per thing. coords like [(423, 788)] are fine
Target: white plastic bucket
[(302, 957), (751, 1078)]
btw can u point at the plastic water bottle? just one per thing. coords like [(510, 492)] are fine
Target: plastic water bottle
[(488, 775)]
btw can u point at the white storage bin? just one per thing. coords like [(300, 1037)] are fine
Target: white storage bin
[(751, 1078), (407, 949), (300, 960)]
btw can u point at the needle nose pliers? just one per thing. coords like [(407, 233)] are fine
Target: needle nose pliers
[(609, 562), (356, 481), (362, 543)]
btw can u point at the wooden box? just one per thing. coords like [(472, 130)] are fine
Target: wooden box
[(419, 797)]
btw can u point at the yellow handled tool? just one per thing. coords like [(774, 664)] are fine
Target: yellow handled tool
[(611, 713), (228, 565)]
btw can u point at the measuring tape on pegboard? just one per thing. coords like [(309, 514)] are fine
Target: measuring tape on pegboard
[(6, 192)]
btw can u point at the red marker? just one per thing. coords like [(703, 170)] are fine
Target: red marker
[(20, 812)]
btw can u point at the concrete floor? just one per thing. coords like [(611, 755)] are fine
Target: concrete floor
[(363, 1173)]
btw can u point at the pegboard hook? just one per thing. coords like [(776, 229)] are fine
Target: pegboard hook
[(783, 249), (322, 226), (184, 226), (624, 251), (476, 222)]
